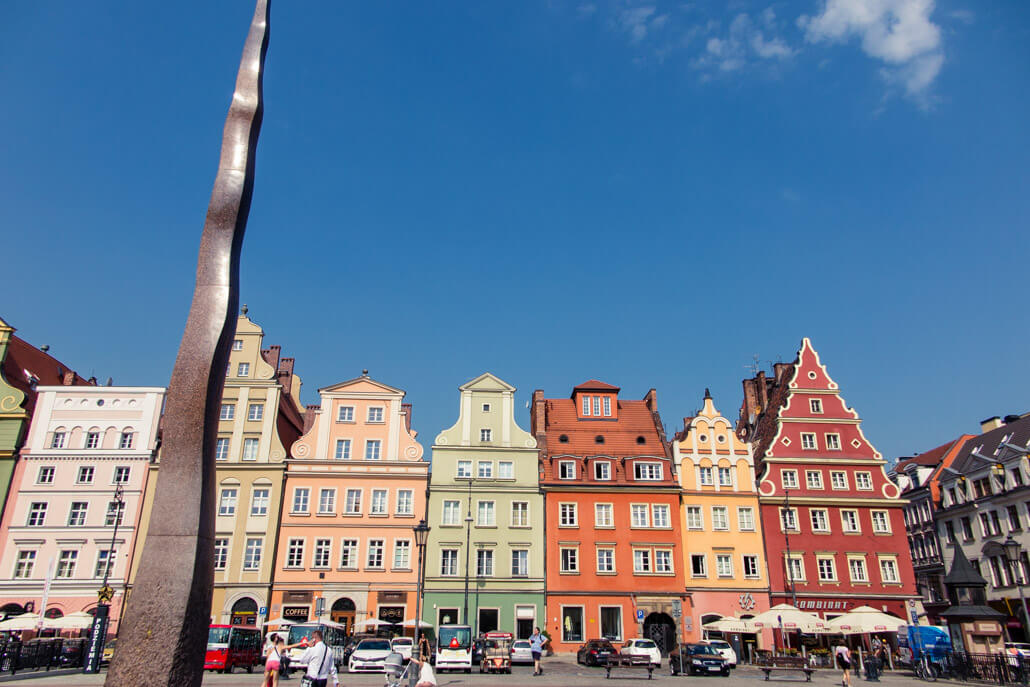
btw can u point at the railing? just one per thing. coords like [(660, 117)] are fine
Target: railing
[(41, 654), (1001, 669)]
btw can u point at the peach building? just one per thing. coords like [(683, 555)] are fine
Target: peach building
[(84, 444), (355, 487)]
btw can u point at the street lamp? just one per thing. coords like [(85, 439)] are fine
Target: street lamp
[(421, 537), (468, 545), (98, 633), (1012, 556)]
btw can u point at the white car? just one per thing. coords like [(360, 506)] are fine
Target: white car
[(643, 647), (369, 656), (725, 650), (402, 645), (520, 651)]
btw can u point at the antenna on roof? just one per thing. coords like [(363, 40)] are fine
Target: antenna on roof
[(754, 365), (110, 381)]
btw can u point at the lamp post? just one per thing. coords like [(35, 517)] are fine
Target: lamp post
[(468, 545), (1012, 552), (421, 537), (98, 633), (788, 523)]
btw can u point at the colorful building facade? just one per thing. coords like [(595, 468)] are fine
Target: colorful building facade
[(832, 519), (355, 488), (723, 553), (86, 446), (485, 560), (614, 536)]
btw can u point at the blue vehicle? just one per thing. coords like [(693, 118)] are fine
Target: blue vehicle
[(925, 648)]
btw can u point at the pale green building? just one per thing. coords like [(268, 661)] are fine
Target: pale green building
[(486, 509)]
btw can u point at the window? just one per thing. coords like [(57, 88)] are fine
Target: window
[(820, 523), (827, 570), (724, 565), (832, 442), (986, 525), (660, 515), (375, 414), (485, 514), (750, 565), (795, 569), (379, 505), (856, 568), (300, 500), (597, 405), (485, 469), (237, 344), (520, 563), (698, 565), (789, 479), (121, 475), (449, 562), (982, 487), (815, 405), (349, 553), (252, 553), (849, 521), (402, 554), (250, 448), (221, 553), (720, 518), (405, 502), (569, 559), (375, 553), (808, 441), (321, 555), (706, 477), (37, 514), (1013, 513), (92, 439), (327, 501), (586, 405), (641, 561), (789, 519), (57, 441), (77, 514), (607, 406), (606, 560), (602, 470), (603, 515), (464, 469), (259, 502), (567, 515), (485, 435), (352, 504), (66, 564), (295, 553), (572, 624), (949, 532), (345, 414), (227, 502), (647, 471), (520, 514), (505, 470), (451, 512), (746, 518), (256, 411), (566, 469), (243, 370), (486, 407), (864, 481), (889, 571), (45, 475), (967, 528), (725, 477), (115, 513), (838, 480), (85, 475), (484, 563), (372, 449), (342, 449), (814, 479), (638, 515), (105, 563), (222, 448), (881, 523), (695, 518)]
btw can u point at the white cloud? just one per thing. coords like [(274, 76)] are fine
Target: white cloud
[(745, 41), (897, 32), (634, 21)]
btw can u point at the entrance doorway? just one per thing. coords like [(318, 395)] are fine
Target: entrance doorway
[(8, 610), (446, 616), (244, 612), (343, 612), (488, 620), (661, 628), (523, 628)]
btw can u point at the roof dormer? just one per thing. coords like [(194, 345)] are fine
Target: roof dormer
[(596, 401)]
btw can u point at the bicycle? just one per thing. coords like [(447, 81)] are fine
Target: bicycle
[(925, 669)]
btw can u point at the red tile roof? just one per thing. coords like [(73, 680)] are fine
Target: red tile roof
[(620, 436), (594, 385), (23, 359)]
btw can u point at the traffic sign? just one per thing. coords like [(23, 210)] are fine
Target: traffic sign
[(263, 610), (640, 615)]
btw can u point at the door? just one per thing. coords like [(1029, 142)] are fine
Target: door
[(523, 628)]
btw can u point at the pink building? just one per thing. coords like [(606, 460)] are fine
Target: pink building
[(84, 443)]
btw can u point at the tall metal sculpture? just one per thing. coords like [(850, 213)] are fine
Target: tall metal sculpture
[(163, 634)]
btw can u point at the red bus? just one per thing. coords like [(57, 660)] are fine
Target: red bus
[(229, 646)]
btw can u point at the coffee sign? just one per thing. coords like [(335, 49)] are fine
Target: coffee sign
[(296, 612)]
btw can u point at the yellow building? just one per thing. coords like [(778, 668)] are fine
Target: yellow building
[(723, 551), (261, 417)]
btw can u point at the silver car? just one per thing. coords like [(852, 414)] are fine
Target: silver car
[(520, 651), (725, 650)]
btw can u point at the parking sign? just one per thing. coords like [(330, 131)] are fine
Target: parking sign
[(640, 615)]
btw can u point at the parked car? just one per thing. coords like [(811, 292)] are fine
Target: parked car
[(1016, 650), (521, 652), (725, 650), (369, 656), (402, 645), (642, 647), (478, 646), (697, 659), (352, 644), (595, 652)]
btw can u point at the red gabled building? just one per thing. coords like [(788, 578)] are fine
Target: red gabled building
[(612, 523), (824, 496)]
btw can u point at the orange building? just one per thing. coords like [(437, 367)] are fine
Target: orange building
[(355, 487), (614, 547)]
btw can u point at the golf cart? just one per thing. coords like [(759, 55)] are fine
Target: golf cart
[(496, 653)]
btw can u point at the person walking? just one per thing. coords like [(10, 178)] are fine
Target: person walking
[(319, 660), (426, 678), (273, 660), (537, 642), (843, 656)]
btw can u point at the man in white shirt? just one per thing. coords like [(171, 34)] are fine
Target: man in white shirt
[(319, 659)]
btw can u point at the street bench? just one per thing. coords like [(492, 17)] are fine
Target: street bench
[(784, 664), (629, 663)]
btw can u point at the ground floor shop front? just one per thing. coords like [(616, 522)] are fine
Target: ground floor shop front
[(488, 611), (240, 605), (709, 605), (572, 619), (60, 605), (348, 604)]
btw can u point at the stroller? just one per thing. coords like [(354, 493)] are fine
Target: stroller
[(397, 674)]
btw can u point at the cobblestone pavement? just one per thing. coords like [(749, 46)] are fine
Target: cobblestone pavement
[(558, 672)]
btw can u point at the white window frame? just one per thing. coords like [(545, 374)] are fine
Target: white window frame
[(814, 479), (255, 412), (568, 514), (704, 565), (832, 440), (809, 442), (893, 561), (383, 507), (227, 502), (564, 562), (864, 569), (259, 504), (825, 528), (665, 516), (864, 481), (248, 443), (721, 558), (643, 564), (706, 476), (327, 501), (461, 474), (450, 505), (295, 553), (373, 547), (636, 510), (345, 414), (753, 558), (448, 562), (243, 370), (604, 515), (486, 435), (695, 518), (252, 553), (839, 480), (373, 449), (405, 502), (342, 450), (227, 411), (520, 509), (323, 548), (301, 496), (724, 513), (603, 470), (347, 501), (505, 469), (819, 561), (815, 406), (488, 508), (886, 521), (610, 551), (789, 479), (750, 525), (47, 471), (844, 521), (375, 415), (566, 469), (648, 471), (485, 469)]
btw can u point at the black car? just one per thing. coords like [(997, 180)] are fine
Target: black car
[(478, 650), (595, 652), (698, 659)]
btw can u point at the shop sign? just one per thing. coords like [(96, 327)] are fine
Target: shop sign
[(823, 605), (296, 612), (298, 597), (747, 602), (391, 614)]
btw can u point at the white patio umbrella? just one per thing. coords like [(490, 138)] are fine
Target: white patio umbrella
[(410, 622), (79, 620), (280, 622), (788, 617), (23, 622), (370, 622), (864, 620), (730, 625)]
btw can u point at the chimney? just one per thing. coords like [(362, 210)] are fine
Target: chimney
[(309, 417), (763, 391), (651, 398), (780, 369), (538, 416), (271, 356), (406, 409), (68, 378), (990, 423)]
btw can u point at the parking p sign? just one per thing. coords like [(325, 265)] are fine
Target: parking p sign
[(640, 615)]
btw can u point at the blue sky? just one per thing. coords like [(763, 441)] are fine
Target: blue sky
[(648, 193)]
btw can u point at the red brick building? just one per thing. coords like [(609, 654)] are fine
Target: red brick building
[(612, 521), (824, 495)]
